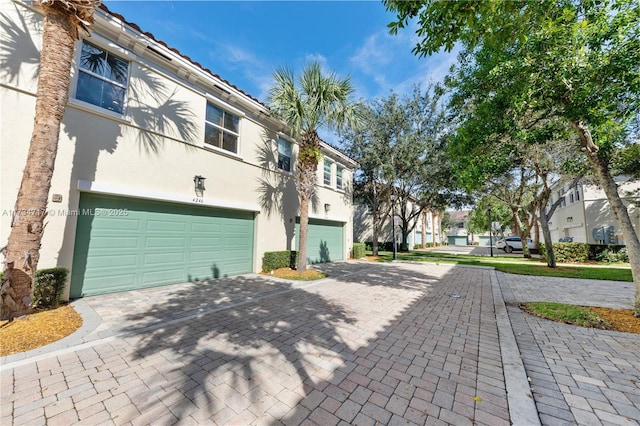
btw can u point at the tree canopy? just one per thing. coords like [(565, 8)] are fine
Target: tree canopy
[(571, 61)]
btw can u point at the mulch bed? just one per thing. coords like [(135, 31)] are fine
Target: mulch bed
[(38, 329)]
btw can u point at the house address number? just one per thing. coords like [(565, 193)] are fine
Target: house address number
[(198, 200)]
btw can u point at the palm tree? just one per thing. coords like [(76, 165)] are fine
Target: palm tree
[(319, 101), (63, 19)]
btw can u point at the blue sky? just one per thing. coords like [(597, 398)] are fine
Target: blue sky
[(244, 41)]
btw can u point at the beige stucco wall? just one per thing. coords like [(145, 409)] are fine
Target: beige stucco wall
[(144, 154), (577, 219)]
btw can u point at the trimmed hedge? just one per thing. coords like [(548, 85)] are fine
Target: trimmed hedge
[(568, 252), (359, 250), (279, 259), (49, 284)]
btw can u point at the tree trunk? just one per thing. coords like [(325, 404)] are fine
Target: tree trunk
[(424, 230), (433, 228), (303, 237), (620, 212), (546, 235), (23, 247), (376, 233), (308, 155)]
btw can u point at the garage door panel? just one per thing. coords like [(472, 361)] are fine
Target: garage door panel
[(111, 241), (162, 258), (164, 243), (161, 276), (157, 243), (205, 256), (166, 226), (117, 225), (116, 281), (209, 228), (110, 260), (203, 242)]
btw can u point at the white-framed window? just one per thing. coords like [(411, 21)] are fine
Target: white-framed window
[(327, 173), (221, 129), (102, 78), (339, 182), (284, 155)]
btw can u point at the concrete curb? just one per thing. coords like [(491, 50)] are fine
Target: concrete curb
[(522, 407)]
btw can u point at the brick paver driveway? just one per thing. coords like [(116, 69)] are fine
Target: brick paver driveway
[(386, 344)]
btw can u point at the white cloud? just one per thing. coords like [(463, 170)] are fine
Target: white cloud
[(388, 62)]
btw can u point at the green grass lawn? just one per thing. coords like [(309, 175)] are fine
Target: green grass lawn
[(514, 265), (569, 314)]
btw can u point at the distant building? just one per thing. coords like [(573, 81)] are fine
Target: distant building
[(585, 216)]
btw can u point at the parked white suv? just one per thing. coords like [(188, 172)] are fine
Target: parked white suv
[(509, 244)]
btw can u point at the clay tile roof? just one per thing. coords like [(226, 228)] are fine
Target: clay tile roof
[(177, 52)]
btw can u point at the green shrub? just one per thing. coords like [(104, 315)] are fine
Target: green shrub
[(359, 250), (279, 259), (568, 252), (613, 256), (49, 284)]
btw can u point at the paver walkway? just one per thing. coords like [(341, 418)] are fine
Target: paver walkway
[(377, 343), (373, 344), (578, 375)]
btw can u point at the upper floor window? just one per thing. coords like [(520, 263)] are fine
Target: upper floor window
[(102, 78), (327, 173), (221, 129), (284, 155), (339, 183)]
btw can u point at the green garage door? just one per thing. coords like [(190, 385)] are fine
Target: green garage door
[(325, 243), (124, 243)]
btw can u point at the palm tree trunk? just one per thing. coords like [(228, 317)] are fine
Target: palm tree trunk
[(308, 155), (23, 247), (303, 237)]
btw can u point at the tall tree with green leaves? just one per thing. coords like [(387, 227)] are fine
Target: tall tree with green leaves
[(307, 104), (63, 19), (370, 146), (400, 152), (577, 61)]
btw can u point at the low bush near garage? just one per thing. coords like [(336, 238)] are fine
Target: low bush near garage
[(279, 259), (359, 250), (48, 288)]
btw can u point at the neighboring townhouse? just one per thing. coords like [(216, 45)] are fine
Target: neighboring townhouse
[(425, 223), (458, 234), (165, 172), (585, 216)]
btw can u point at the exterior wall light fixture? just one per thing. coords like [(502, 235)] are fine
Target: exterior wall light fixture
[(198, 182), (570, 219), (327, 207)]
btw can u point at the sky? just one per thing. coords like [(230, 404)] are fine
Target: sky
[(245, 41)]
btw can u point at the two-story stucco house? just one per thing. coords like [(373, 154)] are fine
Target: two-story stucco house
[(165, 172), (584, 214)]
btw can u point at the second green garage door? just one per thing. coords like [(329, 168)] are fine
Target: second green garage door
[(124, 243), (326, 241)]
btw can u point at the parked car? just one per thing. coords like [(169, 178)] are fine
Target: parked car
[(566, 240), (509, 244)]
